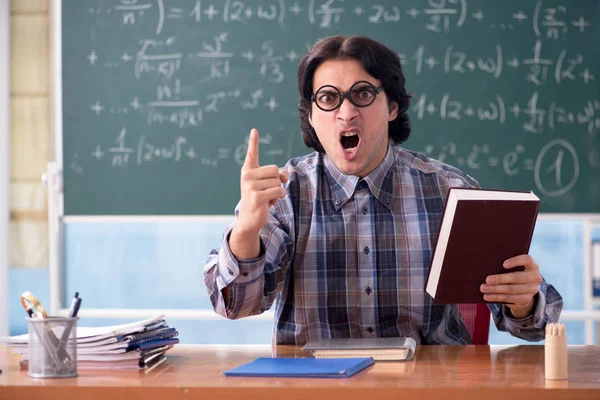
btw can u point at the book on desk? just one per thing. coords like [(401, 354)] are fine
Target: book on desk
[(480, 229), (302, 367), (380, 349)]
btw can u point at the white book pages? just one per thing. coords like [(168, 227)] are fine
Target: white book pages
[(93, 334)]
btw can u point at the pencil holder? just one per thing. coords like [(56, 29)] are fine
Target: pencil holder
[(555, 352), (52, 351)]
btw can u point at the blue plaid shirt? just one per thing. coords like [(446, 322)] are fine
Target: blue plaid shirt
[(348, 257)]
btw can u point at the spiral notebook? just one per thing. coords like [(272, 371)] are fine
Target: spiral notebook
[(142, 340)]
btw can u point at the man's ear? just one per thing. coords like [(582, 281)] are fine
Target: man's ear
[(310, 119), (393, 111)]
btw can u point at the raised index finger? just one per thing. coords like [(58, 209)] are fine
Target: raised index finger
[(251, 160)]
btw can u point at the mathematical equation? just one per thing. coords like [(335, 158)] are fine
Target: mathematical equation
[(555, 167), (497, 110), (546, 19), (122, 155), (453, 61), (169, 110), (565, 68), (155, 58), (534, 117)]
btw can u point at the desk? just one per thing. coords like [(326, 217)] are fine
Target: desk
[(437, 372)]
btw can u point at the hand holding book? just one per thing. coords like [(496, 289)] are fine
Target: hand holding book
[(480, 231), (516, 289)]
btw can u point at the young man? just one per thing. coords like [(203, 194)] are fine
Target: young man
[(343, 237)]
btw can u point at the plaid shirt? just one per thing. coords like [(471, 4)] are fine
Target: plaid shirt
[(348, 257)]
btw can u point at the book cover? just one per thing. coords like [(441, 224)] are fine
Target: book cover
[(302, 367), (480, 229), (381, 349)]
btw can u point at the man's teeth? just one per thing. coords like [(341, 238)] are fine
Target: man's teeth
[(352, 134)]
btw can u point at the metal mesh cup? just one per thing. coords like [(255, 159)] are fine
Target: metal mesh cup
[(52, 347)]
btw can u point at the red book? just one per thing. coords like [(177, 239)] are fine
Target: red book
[(480, 229)]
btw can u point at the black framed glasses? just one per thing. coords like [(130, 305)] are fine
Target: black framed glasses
[(361, 94)]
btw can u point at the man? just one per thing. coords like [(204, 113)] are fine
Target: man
[(343, 237)]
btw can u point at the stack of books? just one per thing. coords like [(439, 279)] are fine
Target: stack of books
[(140, 345)]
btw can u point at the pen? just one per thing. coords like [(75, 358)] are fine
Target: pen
[(75, 304)]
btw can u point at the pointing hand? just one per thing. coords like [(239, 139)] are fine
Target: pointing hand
[(260, 189)]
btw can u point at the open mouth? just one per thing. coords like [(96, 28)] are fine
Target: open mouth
[(349, 141)]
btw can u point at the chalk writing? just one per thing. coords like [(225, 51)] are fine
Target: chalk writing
[(169, 89), (555, 166)]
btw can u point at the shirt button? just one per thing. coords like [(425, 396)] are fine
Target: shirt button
[(368, 290), (366, 250), (388, 201), (338, 202), (230, 271), (364, 210), (370, 330)]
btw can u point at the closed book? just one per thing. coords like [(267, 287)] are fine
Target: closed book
[(480, 229), (381, 349), (302, 367)]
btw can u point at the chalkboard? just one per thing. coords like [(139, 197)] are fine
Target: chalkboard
[(159, 96)]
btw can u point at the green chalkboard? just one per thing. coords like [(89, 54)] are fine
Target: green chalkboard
[(158, 96)]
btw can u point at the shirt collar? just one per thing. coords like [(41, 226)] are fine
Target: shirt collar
[(379, 181)]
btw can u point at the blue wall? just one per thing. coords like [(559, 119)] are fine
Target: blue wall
[(159, 265), (21, 280)]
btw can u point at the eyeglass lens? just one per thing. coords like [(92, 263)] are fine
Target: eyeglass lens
[(361, 94)]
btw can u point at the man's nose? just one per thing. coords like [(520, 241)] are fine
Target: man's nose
[(347, 111)]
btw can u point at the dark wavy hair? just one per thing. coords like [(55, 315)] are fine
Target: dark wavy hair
[(379, 61)]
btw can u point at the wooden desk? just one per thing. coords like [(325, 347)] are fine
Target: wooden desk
[(437, 372)]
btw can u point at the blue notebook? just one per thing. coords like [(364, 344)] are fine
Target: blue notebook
[(302, 367)]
